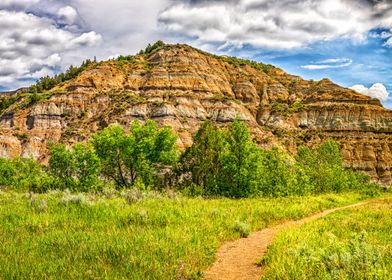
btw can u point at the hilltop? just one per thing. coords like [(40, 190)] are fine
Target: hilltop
[(181, 86)]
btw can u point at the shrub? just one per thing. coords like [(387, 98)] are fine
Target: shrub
[(151, 48), (69, 198), (24, 175), (323, 165), (242, 228), (6, 102)]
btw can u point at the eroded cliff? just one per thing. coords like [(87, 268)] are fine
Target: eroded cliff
[(180, 86)]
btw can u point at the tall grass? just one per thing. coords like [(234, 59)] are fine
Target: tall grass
[(60, 235), (349, 244)]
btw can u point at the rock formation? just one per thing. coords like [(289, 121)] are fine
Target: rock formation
[(180, 86)]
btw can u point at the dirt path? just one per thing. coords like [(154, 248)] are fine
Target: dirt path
[(237, 259)]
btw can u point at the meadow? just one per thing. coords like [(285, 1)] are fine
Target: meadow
[(350, 244), (135, 235)]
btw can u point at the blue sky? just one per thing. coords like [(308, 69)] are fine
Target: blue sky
[(348, 41), (369, 61)]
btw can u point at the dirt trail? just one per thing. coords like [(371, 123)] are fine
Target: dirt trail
[(237, 259)]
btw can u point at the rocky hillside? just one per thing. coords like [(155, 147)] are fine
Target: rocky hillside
[(180, 86)]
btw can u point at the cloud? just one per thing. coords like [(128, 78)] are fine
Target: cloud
[(281, 24), (377, 90), (329, 63), (31, 45), (389, 42), (68, 15), (17, 4), (33, 30)]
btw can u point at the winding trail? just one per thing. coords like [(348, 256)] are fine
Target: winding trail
[(238, 259)]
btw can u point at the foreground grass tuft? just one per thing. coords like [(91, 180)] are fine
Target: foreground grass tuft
[(350, 244), (242, 228)]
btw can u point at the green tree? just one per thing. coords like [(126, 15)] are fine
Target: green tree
[(151, 48), (111, 146), (225, 161), (151, 149), (61, 165), (87, 167), (138, 155), (240, 161), (202, 162), (77, 168), (277, 173)]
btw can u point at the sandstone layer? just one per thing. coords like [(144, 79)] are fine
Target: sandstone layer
[(181, 87)]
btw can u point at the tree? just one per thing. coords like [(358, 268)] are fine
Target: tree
[(239, 161), (111, 146), (277, 174), (87, 167), (225, 161), (203, 160), (151, 48), (137, 155), (61, 165), (323, 164), (152, 149), (77, 168)]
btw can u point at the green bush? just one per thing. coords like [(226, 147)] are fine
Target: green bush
[(241, 228), (24, 175), (323, 165), (6, 102), (151, 48)]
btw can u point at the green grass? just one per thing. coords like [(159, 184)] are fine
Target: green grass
[(64, 236), (350, 244)]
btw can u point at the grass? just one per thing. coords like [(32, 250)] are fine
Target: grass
[(89, 236), (350, 244)]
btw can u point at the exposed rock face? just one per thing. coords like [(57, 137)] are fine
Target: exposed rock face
[(181, 87)]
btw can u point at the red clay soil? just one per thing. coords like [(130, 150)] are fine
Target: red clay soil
[(238, 259)]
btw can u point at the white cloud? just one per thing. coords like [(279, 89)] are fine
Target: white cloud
[(80, 29), (17, 4), (281, 24), (377, 90), (111, 57), (86, 39), (385, 35), (389, 42), (30, 44), (329, 63), (68, 15)]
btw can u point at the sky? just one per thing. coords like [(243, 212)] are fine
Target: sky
[(347, 41)]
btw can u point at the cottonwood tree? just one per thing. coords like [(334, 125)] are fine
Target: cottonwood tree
[(127, 157)]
